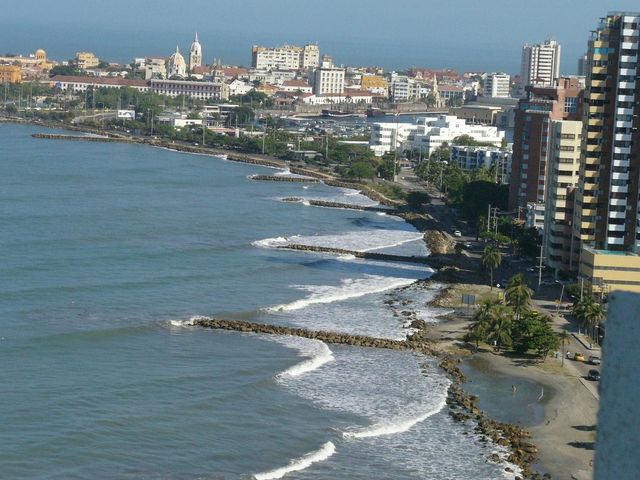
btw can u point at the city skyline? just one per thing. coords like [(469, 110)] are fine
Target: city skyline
[(420, 35)]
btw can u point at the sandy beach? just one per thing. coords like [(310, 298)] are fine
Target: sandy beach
[(565, 437)]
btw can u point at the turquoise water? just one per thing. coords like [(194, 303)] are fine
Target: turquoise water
[(109, 250)]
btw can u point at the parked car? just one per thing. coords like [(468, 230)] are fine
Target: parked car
[(594, 360), (593, 375), (578, 357), (457, 233)]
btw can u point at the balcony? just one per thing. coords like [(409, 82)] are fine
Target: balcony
[(616, 228), (620, 189), (615, 241), (617, 215)]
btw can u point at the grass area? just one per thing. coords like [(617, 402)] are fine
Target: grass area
[(394, 192)]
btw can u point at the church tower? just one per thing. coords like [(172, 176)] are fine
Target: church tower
[(195, 56)]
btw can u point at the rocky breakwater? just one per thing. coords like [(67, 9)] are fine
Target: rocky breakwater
[(358, 254), (283, 178), (462, 406), (83, 138), (347, 206)]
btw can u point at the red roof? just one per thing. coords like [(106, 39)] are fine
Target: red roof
[(234, 71), (295, 83), (203, 70), (122, 82)]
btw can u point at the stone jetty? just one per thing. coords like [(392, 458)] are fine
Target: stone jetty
[(368, 255), (283, 178), (83, 138), (346, 206)]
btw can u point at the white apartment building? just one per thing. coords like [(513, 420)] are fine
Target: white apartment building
[(404, 89), (430, 135), (497, 85), (540, 64), (562, 171), (286, 57), (328, 79), (472, 158), (387, 136)]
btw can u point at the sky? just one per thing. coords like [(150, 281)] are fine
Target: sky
[(467, 35)]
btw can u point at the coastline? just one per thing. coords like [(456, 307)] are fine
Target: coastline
[(548, 433)]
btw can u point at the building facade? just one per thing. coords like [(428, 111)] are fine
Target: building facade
[(328, 79), (607, 219), (80, 84), (197, 90), (496, 160), (497, 85), (287, 57), (532, 137), (86, 60), (10, 74), (564, 164), (540, 64)]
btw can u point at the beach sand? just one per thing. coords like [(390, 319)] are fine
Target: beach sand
[(565, 431)]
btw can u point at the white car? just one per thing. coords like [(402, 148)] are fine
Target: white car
[(457, 233)]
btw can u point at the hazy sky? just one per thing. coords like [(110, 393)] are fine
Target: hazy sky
[(464, 34)]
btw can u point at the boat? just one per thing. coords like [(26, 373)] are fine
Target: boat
[(375, 112), (339, 114)]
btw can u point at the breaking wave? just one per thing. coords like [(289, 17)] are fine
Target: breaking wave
[(318, 354), (298, 464)]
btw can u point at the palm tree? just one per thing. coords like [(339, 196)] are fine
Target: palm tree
[(588, 313), (518, 295), (499, 330), (491, 259), (564, 340), (594, 314), (481, 320)]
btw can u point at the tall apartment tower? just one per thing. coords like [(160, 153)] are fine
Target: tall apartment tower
[(532, 142), (497, 85), (540, 64), (606, 227)]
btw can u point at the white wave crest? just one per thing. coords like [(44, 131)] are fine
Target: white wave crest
[(319, 352), (298, 464), (187, 323), (395, 426), (349, 288), (273, 242), (306, 203)]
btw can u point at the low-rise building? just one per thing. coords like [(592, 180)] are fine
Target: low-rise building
[(432, 134), (10, 74), (78, 84), (197, 90), (327, 78), (478, 114), (296, 86), (609, 270)]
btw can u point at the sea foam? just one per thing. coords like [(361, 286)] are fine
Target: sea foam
[(395, 426), (298, 464), (318, 353), (349, 288)]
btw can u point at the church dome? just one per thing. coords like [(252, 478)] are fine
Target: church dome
[(41, 55), (177, 65), (177, 58)]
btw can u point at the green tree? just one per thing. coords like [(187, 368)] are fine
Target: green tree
[(361, 170), (499, 328), (415, 200), (589, 314), (477, 330), (518, 295), (490, 260)]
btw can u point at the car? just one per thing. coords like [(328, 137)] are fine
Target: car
[(532, 269), (578, 357), (594, 360), (593, 375), (457, 233)]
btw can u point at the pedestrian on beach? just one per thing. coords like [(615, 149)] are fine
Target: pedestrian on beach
[(513, 389)]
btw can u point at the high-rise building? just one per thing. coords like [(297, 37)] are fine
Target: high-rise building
[(195, 54), (285, 57), (532, 146), (497, 85), (606, 227), (564, 163), (582, 62), (540, 64)]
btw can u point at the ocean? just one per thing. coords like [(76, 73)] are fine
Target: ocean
[(109, 251)]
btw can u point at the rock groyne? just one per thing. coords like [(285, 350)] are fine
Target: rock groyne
[(283, 178), (83, 138)]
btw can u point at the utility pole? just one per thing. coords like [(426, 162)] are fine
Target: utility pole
[(326, 153), (489, 218), (540, 258), (264, 136)]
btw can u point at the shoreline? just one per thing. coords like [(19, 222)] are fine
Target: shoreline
[(433, 237)]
